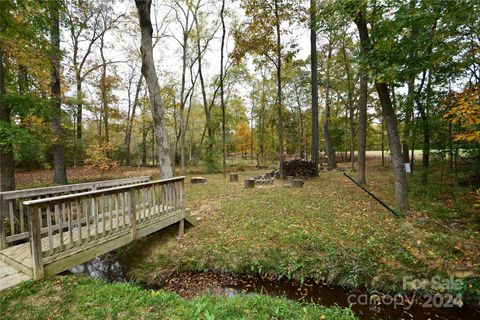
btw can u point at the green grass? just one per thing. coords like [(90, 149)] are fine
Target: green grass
[(75, 297), (330, 230)]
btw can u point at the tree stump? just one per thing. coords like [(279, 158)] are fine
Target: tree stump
[(297, 183), (249, 183), (233, 177), (198, 180)]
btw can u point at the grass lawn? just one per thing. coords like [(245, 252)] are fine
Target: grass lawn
[(75, 297), (330, 230)]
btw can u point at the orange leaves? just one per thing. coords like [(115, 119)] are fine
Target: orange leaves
[(464, 109), (242, 137), (98, 156)]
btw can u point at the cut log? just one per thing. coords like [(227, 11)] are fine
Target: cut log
[(233, 177), (297, 183), (249, 183), (198, 180)]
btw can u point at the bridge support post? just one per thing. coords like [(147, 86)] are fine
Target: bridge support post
[(3, 238), (181, 228), (34, 224), (181, 225)]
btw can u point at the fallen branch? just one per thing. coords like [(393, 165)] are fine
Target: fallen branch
[(396, 214)]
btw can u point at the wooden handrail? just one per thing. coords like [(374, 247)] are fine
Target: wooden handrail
[(79, 222), (15, 194), (81, 195), (11, 204)]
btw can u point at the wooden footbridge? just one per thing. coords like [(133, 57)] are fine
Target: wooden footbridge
[(46, 231)]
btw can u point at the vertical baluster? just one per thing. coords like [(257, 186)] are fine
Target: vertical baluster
[(117, 213), (159, 199), (133, 214), (11, 208), (175, 192), (87, 217), (95, 215), (182, 194), (110, 213), (147, 202), (49, 229), (172, 199), (154, 192), (63, 212), (167, 199), (124, 209), (102, 211), (141, 202), (70, 223), (59, 221), (22, 221), (79, 221)]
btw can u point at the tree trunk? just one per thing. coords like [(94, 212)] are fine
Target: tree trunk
[(59, 162), (222, 97), (408, 117), (424, 110), (314, 82), (251, 131), (103, 89), (401, 191), (362, 128), (301, 150), (128, 130), (148, 71), (279, 89), (450, 146), (7, 161), (383, 142), (182, 95), (208, 118), (350, 93), (79, 115), (144, 144), (263, 103), (331, 161)]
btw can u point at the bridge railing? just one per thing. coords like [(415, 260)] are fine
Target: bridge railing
[(64, 225), (13, 215)]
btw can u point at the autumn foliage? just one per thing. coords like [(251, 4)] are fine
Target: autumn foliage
[(464, 109), (99, 156)]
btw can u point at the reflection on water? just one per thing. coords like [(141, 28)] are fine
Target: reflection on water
[(104, 267), (325, 295)]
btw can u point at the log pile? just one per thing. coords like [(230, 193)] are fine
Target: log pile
[(298, 168)]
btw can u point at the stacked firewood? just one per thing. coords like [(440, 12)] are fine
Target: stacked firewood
[(298, 168), (267, 178)]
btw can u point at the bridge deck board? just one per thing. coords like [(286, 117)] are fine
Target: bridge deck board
[(10, 277)]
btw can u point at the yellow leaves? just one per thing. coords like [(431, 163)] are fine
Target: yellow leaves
[(464, 109), (242, 137), (98, 156)]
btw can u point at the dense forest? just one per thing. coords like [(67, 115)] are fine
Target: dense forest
[(180, 83)]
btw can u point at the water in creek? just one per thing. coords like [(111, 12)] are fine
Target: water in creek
[(190, 284), (104, 267)]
